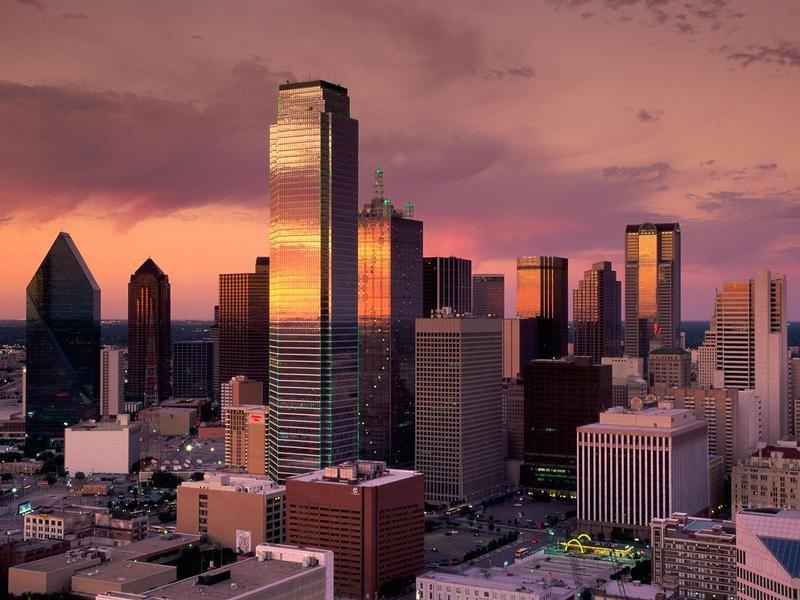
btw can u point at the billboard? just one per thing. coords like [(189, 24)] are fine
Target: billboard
[(24, 507)]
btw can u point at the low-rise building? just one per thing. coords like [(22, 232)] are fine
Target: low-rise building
[(102, 446), (641, 463), (770, 478), (24, 467), (236, 510), (632, 590), (767, 551), (494, 583), (371, 517), (694, 556), (57, 524), (169, 421)]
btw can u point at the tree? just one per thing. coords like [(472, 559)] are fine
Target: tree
[(162, 479), (6, 476), (197, 476), (80, 476)]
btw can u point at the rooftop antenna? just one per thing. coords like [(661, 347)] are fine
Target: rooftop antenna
[(379, 183)]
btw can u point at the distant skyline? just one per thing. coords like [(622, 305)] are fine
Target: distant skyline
[(517, 129)]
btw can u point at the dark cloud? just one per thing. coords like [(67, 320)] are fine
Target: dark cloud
[(747, 206), (783, 54), (708, 163), (768, 166), (37, 4), (511, 73), (63, 145), (198, 37), (71, 16), (649, 115), (656, 170), (5, 220)]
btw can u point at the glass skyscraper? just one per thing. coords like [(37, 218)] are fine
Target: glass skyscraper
[(542, 292), (652, 288), (149, 334), (389, 300), (62, 342), (313, 355), (446, 283), (596, 309), (488, 296)]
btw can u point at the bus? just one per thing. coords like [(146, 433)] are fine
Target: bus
[(522, 552)]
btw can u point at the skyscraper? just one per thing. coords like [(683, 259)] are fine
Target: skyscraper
[(193, 369), (149, 336), (488, 296), (243, 325), (750, 333), (542, 283), (596, 308), (446, 283), (652, 288), (389, 300), (62, 340), (113, 370), (313, 353)]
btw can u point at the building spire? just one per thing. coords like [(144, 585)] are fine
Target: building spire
[(379, 184)]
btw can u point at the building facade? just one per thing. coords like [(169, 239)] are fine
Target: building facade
[(671, 367), (638, 464), (542, 293), (62, 342), (446, 284), (560, 395), (193, 369), (243, 325), (313, 356), (149, 334), (652, 288), (488, 296), (695, 556), (389, 301), (113, 372), (246, 438), (767, 547), (597, 311), (459, 445), (770, 478), (370, 517), (102, 446)]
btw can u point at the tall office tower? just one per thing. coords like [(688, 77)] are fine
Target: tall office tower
[(62, 341), (113, 371), (560, 396), (707, 356), (459, 412), (240, 391), (488, 296), (446, 284), (313, 352), (193, 369), (244, 325), (638, 464), (372, 518), (767, 547), (752, 345), (542, 283), (213, 336), (514, 417), (652, 288), (149, 336), (389, 300), (246, 438), (597, 311), (671, 366)]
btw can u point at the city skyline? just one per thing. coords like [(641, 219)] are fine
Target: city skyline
[(638, 152)]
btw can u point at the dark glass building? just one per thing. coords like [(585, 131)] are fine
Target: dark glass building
[(597, 310), (389, 300), (446, 283), (149, 335), (488, 296), (313, 285), (193, 369), (525, 340), (243, 322), (62, 341), (542, 293), (560, 396), (652, 288)]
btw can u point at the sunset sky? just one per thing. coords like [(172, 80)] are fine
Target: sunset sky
[(516, 128)]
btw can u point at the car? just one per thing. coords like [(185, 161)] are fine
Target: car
[(517, 504), (434, 549), (453, 531)]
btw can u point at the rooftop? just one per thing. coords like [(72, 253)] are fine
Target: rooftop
[(122, 571), (632, 590), (312, 84), (502, 580), (234, 482), (362, 473), (57, 562), (94, 425)]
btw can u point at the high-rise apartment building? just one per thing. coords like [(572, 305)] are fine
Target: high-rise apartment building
[(246, 438), (243, 334), (542, 293), (446, 284), (752, 345), (389, 301), (767, 550), (62, 342), (488, 296), (459, 444), (652, 288), (149, 334), (560, 395), (372, 518), (597, 310), (313, 343), (113, 371), (193, 369), (638, 464), (695, 556)]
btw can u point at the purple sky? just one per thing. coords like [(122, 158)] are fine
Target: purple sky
[(516, 128)]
